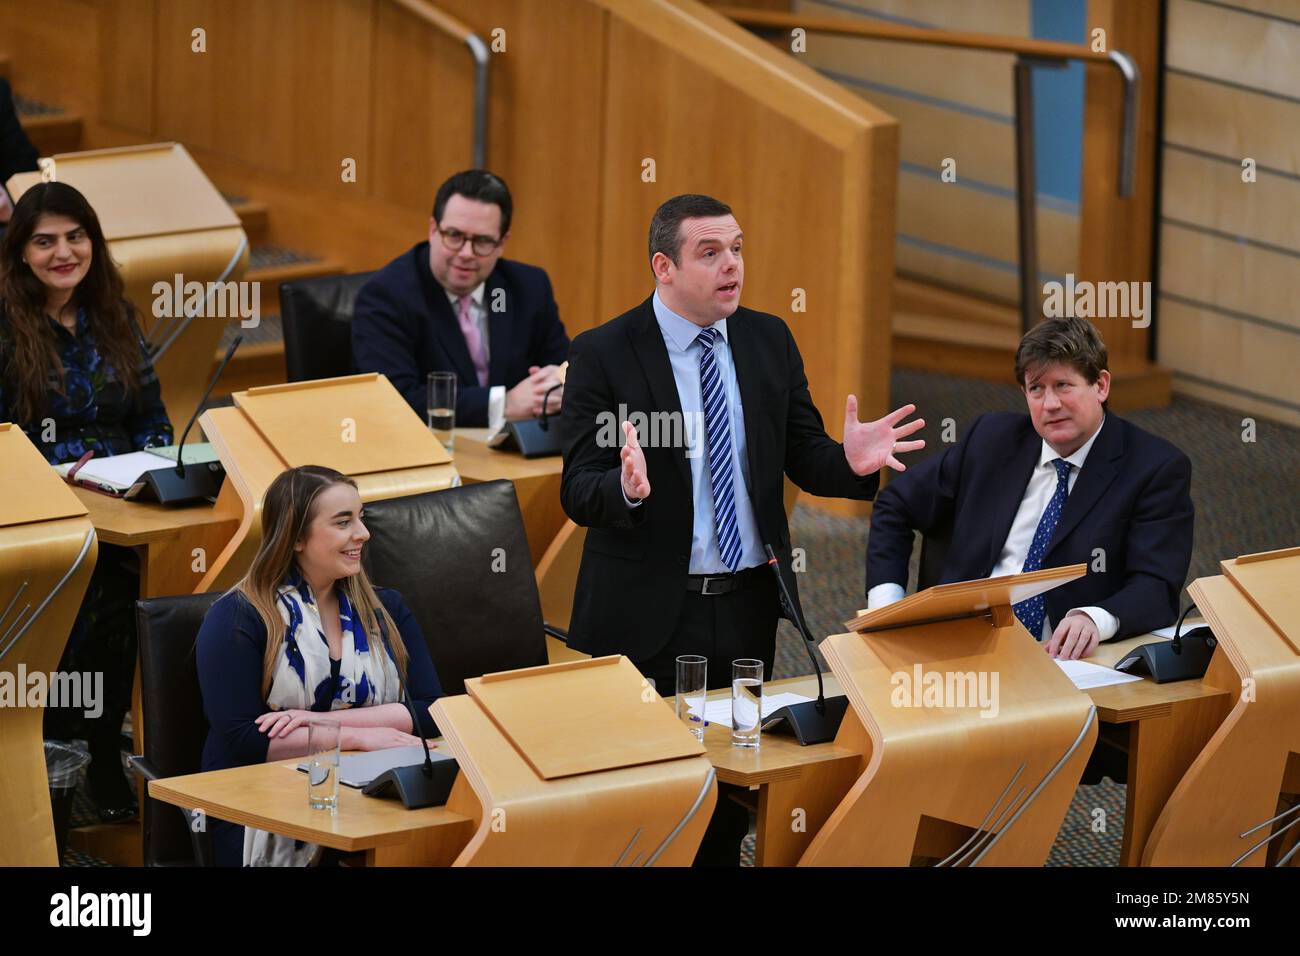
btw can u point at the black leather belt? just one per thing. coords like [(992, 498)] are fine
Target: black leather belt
[(712, 584)]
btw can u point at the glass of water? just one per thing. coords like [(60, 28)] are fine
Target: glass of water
[(746, 702), (692, 688), (323, 765), (442, 407)]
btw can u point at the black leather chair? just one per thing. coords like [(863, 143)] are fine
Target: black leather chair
[(174, 723), (317, 319), (460, 559)]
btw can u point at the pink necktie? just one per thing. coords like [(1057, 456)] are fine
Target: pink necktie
[(469, 328)]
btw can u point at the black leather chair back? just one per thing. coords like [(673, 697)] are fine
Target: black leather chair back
[(461, 562), (175, 727), (317, 319)]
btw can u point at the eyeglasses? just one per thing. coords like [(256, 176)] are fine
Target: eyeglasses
[(454, 239)]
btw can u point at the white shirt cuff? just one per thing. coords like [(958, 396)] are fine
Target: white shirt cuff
[(630, 503), (496, 406), (1107, 623), (883, 594)]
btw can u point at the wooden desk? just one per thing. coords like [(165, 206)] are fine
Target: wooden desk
[(1170, 724), (537, 483), (273, 797), (165, 538)]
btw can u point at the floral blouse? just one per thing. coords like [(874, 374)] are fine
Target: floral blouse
[(93, 413)]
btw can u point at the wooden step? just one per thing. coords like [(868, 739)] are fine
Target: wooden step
[(53, 133), (4, 67), (253, 215)]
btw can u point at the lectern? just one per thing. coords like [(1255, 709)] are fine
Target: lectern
[(165, 223), (575, 764), (357, 424), (1236, 805), (47, 552), (973, 739)]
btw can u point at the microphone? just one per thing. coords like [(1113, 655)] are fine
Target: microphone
[(1186, 657), (417, 785), (180, 449), (813, 721), (175, 486)]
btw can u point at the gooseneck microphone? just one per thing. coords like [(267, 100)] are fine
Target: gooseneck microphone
[(176, 486), (813, 721), (180, 448)]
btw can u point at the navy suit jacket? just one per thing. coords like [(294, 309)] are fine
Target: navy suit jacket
[(1131, 499), (404, 326)]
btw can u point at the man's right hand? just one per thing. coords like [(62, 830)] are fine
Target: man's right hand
[(635, 483), (525, 399)]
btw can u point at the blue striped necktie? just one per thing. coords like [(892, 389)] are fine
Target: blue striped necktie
[(1032, 612), (717, 430)]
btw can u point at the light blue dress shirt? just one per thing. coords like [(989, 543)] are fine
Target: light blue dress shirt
[(684, 355)]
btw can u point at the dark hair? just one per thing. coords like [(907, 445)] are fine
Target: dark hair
[(666, 225), (476, 184), (1075, 342), (33, 348)]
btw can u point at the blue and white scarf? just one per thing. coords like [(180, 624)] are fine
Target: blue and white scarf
[(302, 681)]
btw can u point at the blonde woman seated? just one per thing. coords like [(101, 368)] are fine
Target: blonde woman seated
[(304, 633)]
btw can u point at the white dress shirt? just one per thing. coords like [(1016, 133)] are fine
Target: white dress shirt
[(1011, 559), (497, 393)]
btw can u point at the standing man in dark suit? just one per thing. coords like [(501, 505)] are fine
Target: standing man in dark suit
[(1069, 483), (453, 304)]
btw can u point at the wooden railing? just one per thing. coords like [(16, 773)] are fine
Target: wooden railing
[(1029, 54), (478, 50)]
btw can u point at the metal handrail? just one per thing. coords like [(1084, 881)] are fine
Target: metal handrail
[(1028, 53), (478, 50)]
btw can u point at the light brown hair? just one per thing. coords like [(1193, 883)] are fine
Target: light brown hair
[(286, 513)]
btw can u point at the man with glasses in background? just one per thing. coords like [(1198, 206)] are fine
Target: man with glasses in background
[(453, 304)]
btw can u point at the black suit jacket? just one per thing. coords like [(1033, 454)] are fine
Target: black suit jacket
[(17, 154), (632, 580), (404, 326), (1131, 499)]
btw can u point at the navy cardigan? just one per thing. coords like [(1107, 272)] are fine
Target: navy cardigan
[(230, 647)]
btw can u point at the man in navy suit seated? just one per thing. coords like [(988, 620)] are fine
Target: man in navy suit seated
[(453, 304), (1069, 483)]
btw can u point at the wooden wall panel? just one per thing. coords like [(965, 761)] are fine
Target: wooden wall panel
[(1252, 365), (666, 84), (1232, 122), (1229, 45), (49, 60), (1220, 271), (982, 223), (983, 148), (983, 279), (1006, 17), (1210, 193), (127, 67), (1230, 250)]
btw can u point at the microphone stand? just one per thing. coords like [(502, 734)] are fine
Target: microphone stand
[(813, 721)]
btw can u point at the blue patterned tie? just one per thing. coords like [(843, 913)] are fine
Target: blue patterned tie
[(1031, 612), (717, 429)]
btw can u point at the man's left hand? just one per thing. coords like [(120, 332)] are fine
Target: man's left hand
[(869, 446), (1075, 637)]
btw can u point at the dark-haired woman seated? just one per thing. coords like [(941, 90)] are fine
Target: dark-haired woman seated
[(304, 632), (76, 375)]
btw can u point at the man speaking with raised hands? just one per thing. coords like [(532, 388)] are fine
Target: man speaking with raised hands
[(674, 560)]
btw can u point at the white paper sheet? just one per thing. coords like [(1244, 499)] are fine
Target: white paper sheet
[(719, 711), (1087, 675)]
